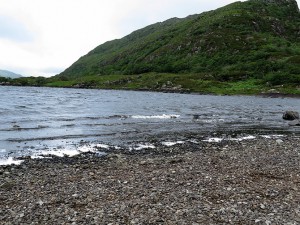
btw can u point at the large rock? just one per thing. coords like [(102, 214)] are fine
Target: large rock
[(290, 115)]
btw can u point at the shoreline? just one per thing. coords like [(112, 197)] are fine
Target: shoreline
[(264, 95), (245, 182), (150, 145)]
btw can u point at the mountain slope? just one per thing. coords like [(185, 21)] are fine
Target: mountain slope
[(256, 39), (8, 74)]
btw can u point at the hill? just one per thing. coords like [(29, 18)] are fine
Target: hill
[(8, 74), (245, 47), (239, 40)]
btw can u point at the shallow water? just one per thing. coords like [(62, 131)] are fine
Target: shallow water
[(35, 120)]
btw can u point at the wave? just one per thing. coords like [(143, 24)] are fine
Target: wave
[(101, 149), (139, 147), (273, 136), (170, 143), (217, 140), (163, 116), (71, 152), (9, 161), (18, 128), (122, 117)]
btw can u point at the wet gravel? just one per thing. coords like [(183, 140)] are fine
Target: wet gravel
[(231, 182)]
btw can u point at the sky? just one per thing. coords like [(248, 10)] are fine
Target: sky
[(44, 37)]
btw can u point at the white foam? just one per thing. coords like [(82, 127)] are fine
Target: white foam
[(164, 116), (68, 152), (142, 146), (213, 121), (37, 157), (194, 141), (215, 140), (86, 148), (169, 143), (9, 161), (272, 136), (61, 152), (102, 146), (250, 137), (2, 150)]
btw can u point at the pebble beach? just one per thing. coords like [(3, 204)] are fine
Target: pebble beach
[(253, 181)]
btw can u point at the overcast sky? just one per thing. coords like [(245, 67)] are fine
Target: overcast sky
[(44, 37)]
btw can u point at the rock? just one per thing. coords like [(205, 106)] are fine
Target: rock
[(290, 115), (294, 123), (279, 141), (40, 202), (262, 206), (273, 91), (196, 117)]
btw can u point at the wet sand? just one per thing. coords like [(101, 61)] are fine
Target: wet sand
[(231, 182)]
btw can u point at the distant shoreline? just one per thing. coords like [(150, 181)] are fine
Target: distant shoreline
[(267, 95)]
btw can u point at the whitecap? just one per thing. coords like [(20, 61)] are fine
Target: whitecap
[(250, 137), (37, 157), (194, 141), (213, 121), (163, 116), (72, 152), (272, 136), (102, 146), (86, 148), (215, 140), (61, 152), (9, 161), (142, 146), (169, 143)]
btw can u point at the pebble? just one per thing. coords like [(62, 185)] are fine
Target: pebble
[(279, 141), (257, 184), (262, 206)]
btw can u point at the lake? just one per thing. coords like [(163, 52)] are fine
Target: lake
[(36, 121)]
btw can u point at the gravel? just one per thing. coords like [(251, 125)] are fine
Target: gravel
[(230, 182)]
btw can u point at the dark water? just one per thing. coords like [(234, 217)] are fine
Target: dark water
[(37, 119)]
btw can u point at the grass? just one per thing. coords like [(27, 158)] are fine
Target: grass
[(198, 83)]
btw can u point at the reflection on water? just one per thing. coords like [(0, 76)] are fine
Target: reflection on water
[(36, 119)]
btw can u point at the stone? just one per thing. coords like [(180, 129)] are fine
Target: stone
[(196, 117), (290, 115)]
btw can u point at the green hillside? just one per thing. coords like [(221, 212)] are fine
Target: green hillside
[(245, 47), (241, 40)]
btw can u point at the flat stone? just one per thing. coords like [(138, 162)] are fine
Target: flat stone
[(279, 141)]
